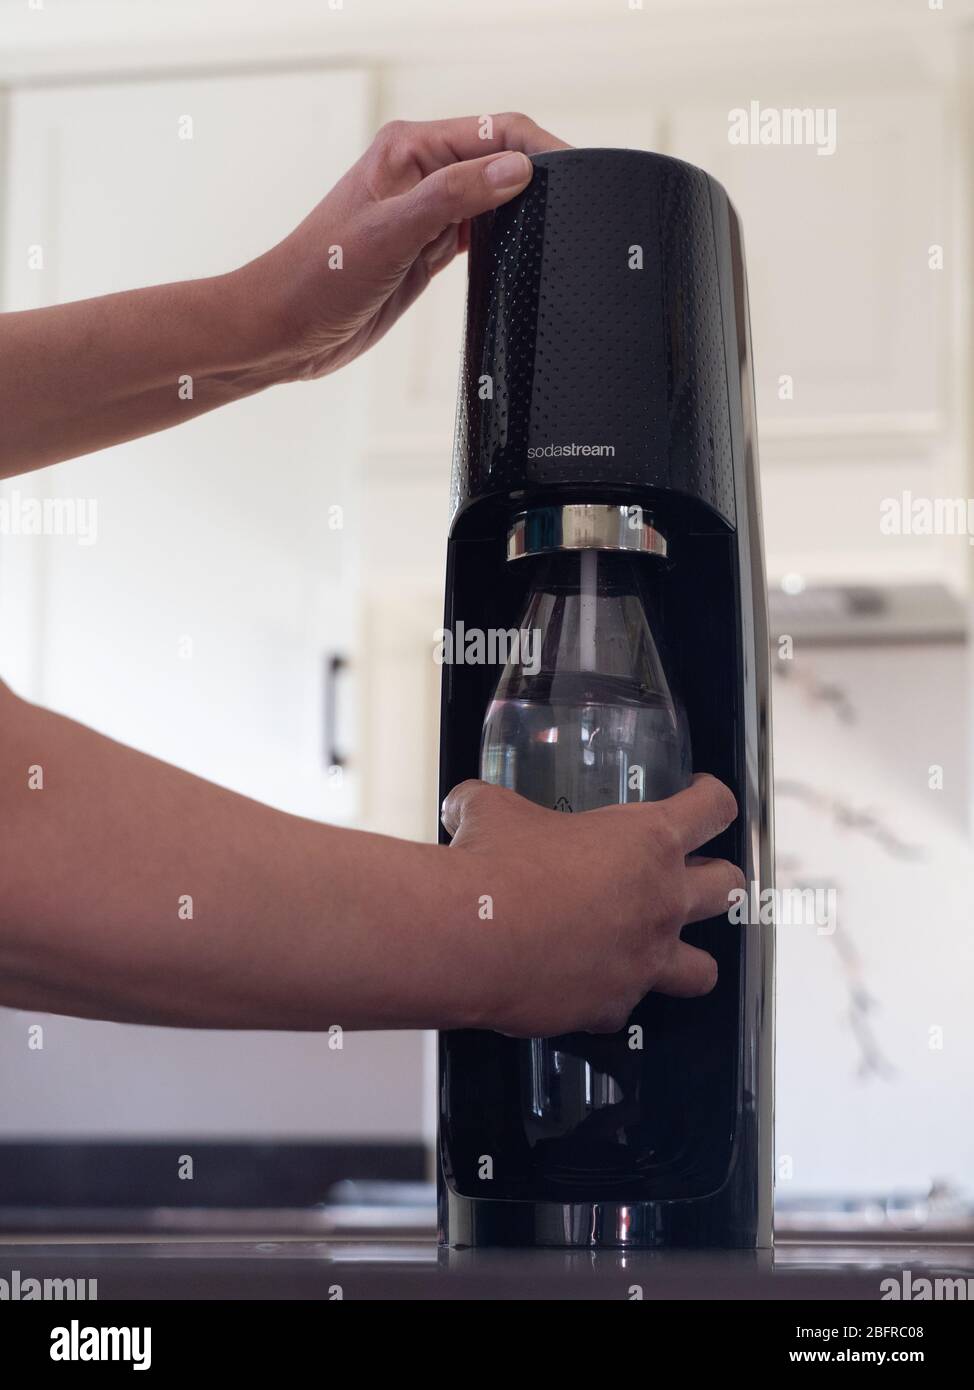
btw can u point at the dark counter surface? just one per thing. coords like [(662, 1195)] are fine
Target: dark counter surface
[(309, 1267)]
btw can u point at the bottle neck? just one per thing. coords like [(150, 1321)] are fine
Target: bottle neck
[(587, 609)]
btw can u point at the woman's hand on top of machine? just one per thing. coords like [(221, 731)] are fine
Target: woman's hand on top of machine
[(92, 373), (401, 213), (586, 910)]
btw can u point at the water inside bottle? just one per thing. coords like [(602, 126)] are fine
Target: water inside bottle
[(584, 741), (595, 723)]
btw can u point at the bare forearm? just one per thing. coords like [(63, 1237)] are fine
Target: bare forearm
[(135, 892), (86, 375)]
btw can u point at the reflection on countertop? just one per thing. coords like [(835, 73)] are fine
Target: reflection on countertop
[(287, 1266), (378, 1240)]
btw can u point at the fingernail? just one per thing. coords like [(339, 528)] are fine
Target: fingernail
[(508, 171)]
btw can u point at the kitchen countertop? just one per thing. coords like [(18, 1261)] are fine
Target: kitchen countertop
[(275, 1266)]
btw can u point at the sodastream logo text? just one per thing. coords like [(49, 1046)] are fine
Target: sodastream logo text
[(557, 451)]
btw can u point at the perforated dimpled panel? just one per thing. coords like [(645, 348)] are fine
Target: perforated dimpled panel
[(594, 319)]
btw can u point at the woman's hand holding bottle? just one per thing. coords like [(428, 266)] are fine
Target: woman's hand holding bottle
[(593, 904)]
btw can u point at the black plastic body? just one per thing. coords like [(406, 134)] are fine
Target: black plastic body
[(607, 312)]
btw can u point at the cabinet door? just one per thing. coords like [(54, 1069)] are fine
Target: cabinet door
[(200, 623), (843, 299)]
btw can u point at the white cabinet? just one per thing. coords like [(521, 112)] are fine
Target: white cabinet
[(858, 354), (843, 299), (199, 623)]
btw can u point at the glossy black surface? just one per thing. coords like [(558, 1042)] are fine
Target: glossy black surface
[(672, 1135), (310, 1268), (670, 389), (594, 312)]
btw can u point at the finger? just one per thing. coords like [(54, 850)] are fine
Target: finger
[(441, 251), (433, 258), (412, 220), (688, 973), (468, 137), (709, 884), (405, 152), (700, 812)]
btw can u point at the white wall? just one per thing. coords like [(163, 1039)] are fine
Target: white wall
[(870, 1097)]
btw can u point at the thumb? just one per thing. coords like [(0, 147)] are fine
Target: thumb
[(474, 804), (450, 195), (457, 802)]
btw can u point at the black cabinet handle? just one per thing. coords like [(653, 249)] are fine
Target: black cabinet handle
[(335, 664)]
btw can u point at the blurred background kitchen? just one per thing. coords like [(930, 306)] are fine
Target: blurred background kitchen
[(260, 602)]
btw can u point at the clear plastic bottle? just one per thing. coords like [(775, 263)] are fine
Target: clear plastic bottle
[(585, 717)]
